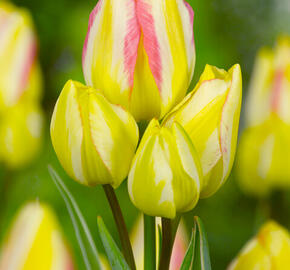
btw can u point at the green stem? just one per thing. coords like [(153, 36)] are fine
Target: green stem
[(149, 243), (121, 226), (169, 229)]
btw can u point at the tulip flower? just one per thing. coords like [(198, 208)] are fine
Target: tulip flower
[(20, 134), (165, 175), (20, 76), (269, 250), (94, 140), (140, 54), (270, 85), (35, 241), (179, 247), (265, 144), (262, 157), (210, 115)]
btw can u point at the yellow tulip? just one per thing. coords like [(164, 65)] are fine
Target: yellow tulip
[(20, 76), (270, 85), (210, 115), (140, 54), (35, 241), (262, 162), (20, 134), (94, 140), (268, 250), (165, 175)]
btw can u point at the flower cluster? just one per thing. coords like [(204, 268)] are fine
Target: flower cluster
[(265, 144), (21, 117), (138, 62)]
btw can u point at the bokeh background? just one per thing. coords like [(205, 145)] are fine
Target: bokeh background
[(226, 32)]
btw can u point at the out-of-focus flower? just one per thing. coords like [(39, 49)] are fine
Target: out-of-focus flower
[(265, 144), (35, 242), (179, 247), (262, 160), (140, 54), (94, 140), (270, 85), (210, 115), (20, 134), (165, 175), (20, 76), (269, 250)]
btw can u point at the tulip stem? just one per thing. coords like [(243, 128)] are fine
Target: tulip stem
[(149, 243), (169, 229), (121, 226)]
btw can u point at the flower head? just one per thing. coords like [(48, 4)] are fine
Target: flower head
[(140, 54)]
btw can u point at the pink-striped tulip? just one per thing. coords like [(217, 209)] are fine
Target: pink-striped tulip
[(35, 242), (140, 54), (20, 76)]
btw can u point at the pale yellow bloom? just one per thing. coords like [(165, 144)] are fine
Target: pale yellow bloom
[(210, 115), (20, 134), (94, 140), (262, 160), (165, 176), (35, 242), (20, 76), (270, 85), (265, 144), (269, 250), (140, 54)]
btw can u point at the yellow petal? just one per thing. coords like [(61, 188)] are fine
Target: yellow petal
[(165, 174)]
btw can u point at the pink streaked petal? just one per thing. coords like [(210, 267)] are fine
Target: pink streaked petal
[(277, 88), (91, 22), (190, 11), (31, 56), (151, 44), (132, 39)]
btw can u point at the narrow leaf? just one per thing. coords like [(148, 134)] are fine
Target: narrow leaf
[(76, 217), (189, 256), (115, 256), (201, 254)]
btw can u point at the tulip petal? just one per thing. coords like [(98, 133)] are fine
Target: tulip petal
[(167, 27), (230, 121), (17, 55), (113, 28)]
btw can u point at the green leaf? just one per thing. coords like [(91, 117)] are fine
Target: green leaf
[(77, 220), (201, 254), (189, 256), (115, 256)]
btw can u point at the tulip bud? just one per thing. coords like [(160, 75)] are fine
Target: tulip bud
[(270, 249), (210, 115), (20, 134), (94, 140), (270, 85), (20, 76), (262, 160), (35, 241), (149, 54), (165, 174)]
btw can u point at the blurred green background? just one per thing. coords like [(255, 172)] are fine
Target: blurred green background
[(226, 32)]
